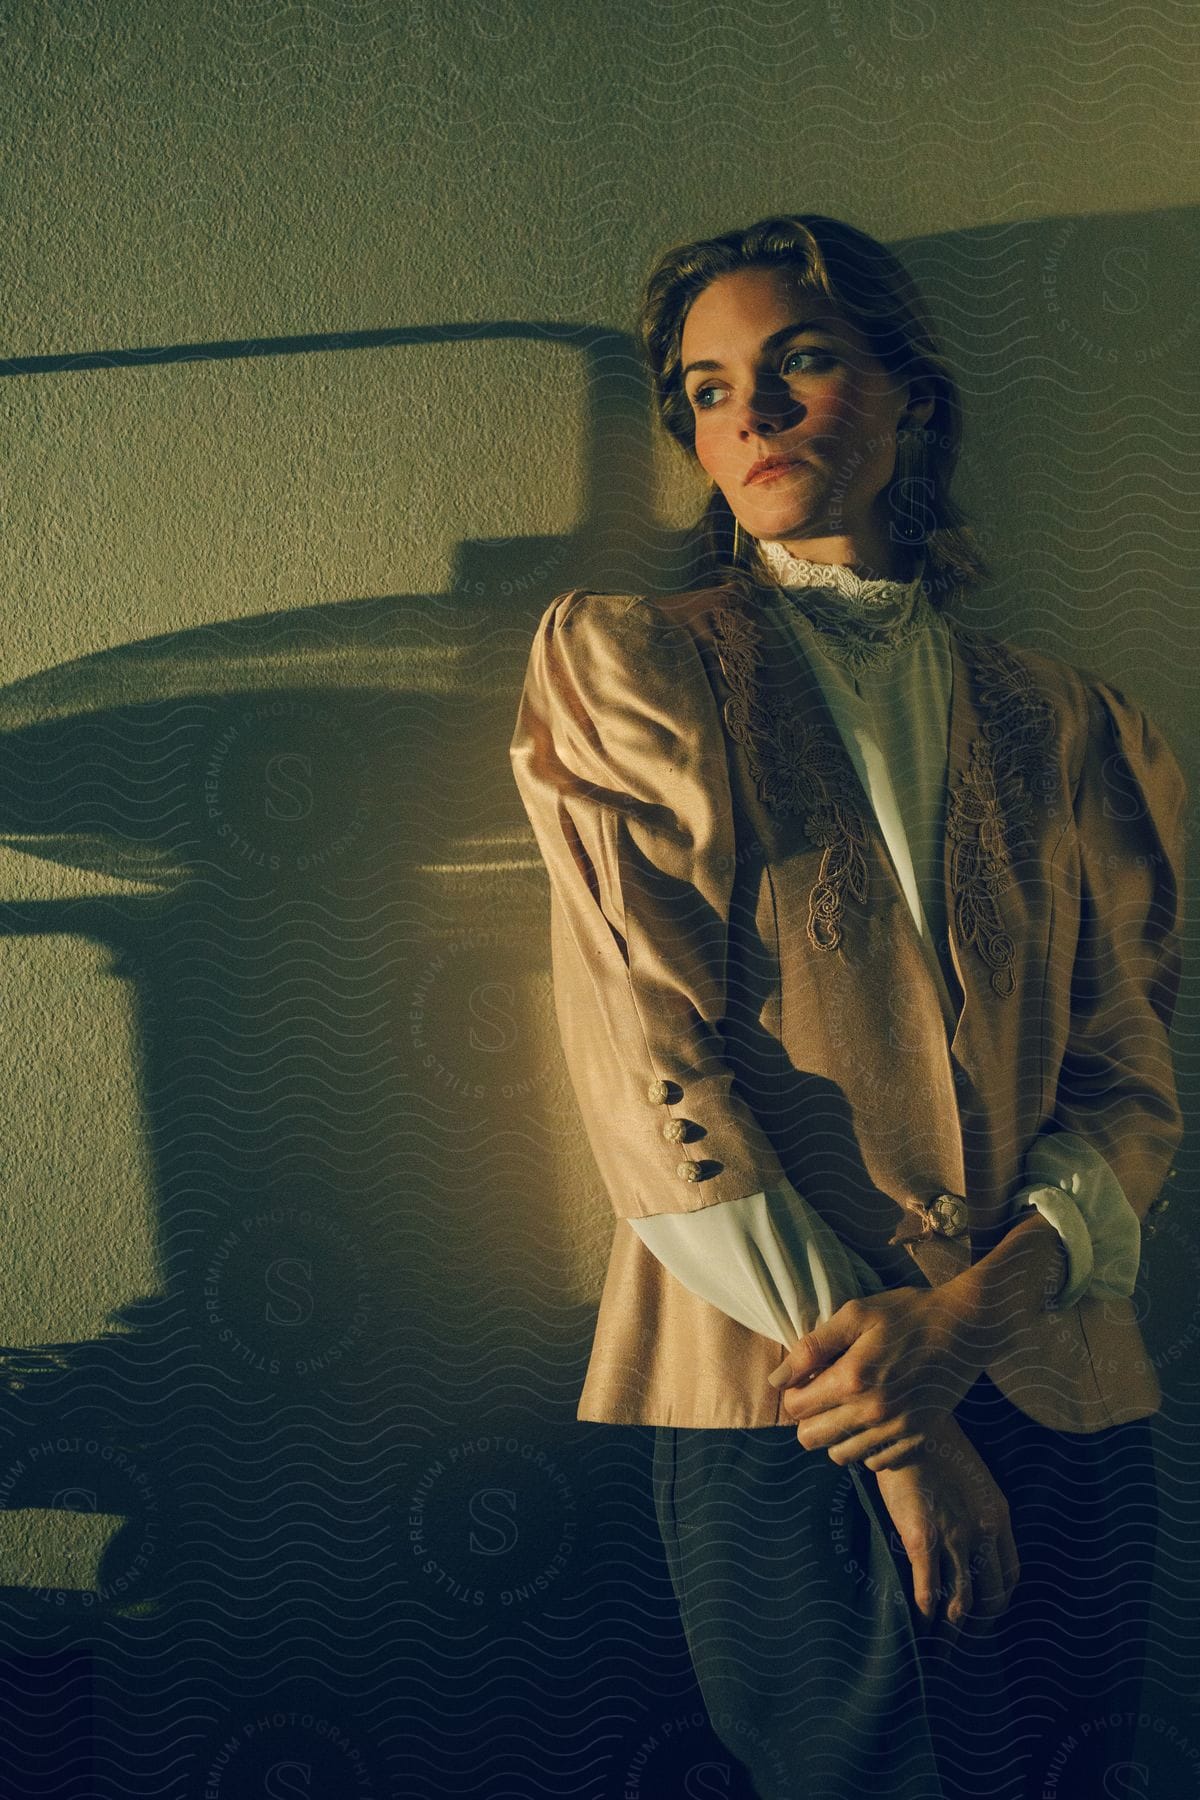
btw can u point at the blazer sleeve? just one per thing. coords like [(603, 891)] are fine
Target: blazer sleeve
[(620, 759), (1116, 1086)]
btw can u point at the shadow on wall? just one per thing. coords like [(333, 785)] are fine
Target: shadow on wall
[(356, 1522), (333, 1462)]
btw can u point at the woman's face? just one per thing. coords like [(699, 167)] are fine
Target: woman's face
[(779, 375)]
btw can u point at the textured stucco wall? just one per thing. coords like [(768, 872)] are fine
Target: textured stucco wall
[(208, 173), (194, 174)]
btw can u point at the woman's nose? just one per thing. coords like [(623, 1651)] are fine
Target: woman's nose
[(766, 412)]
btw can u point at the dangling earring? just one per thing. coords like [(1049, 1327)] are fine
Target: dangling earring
[(737, 540), (910, 484)]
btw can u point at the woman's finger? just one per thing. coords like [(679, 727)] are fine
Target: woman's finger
[(856, 1447), (854, 1425), (838, 1425), (848, 1446), (991, 1590), (960, 1590), (895, 1453), (926, 1577), (875, 1446)]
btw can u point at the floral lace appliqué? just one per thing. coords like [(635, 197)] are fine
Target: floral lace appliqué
[(856, 643), (988, 812), (797, 768)]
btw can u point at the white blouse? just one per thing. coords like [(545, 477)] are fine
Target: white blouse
[(881, 653)]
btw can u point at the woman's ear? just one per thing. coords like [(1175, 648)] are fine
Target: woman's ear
[(920, 405)]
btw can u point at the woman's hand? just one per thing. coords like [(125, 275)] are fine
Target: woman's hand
[(954, 1524), (899, 1362)]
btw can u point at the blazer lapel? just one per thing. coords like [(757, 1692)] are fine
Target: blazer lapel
[(1002, 755), (778, 712), (1000, 750), (965, 729)]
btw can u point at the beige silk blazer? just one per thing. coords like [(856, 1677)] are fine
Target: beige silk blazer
[(742, 995)]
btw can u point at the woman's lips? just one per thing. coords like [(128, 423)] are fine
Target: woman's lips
[(773, 474)]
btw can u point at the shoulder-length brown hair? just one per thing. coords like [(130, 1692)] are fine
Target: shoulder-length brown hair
[(868, 286)]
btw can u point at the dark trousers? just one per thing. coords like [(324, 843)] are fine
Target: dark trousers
[(796, 1599)]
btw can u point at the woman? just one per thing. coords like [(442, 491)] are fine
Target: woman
[(865, 933)]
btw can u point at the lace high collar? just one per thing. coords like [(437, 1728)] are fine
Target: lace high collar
[(871, 596), (863, 621)]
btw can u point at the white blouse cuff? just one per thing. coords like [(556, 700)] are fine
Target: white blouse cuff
[(1075, 1189), (768, 1260), (1058, 1208)]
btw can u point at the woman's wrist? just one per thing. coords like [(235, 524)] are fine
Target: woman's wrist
[(1017, 1279)]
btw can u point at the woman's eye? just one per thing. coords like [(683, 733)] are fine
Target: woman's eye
[(819, 357)]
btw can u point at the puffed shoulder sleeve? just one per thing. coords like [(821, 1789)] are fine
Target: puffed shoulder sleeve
[(621, 763), (1117, 1086)]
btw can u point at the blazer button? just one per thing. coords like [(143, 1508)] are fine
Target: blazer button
[(675, 1130), (659, 1092), (689, 1171), (948, 1214)]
